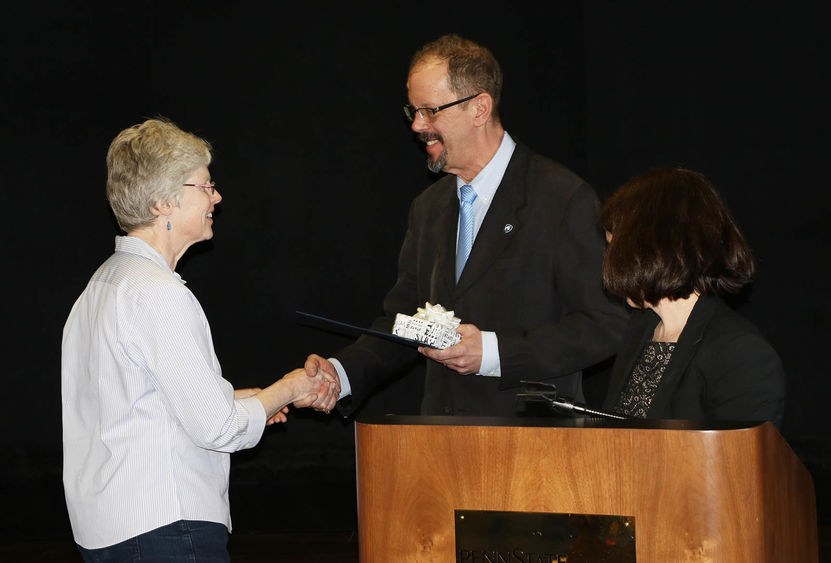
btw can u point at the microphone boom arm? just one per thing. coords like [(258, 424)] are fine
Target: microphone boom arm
[(549, 395)]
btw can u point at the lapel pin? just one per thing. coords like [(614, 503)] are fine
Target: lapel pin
[(508, 228)]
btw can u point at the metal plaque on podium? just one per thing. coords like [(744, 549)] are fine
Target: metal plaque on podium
[(487, 536)]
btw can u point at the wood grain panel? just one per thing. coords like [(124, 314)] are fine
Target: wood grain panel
[(697, 496)]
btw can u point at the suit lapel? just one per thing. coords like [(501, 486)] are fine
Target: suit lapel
[(502, 221), (684, 352), (630, 351), (446, 226)]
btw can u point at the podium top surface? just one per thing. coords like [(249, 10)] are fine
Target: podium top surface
[(557, 422)]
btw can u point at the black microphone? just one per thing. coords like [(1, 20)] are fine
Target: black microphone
[(547, 393)]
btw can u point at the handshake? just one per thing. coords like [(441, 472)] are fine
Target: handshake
[(323, 381), (316, 385)]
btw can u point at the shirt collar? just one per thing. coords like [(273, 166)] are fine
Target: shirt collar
[(487, 181), (138, 247)]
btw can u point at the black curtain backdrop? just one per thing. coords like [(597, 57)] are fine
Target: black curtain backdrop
[(317, 168)]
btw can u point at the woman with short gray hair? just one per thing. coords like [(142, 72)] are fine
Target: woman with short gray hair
[(148, 420)]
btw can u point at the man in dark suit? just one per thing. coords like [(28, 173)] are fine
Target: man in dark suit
[(529, 294)]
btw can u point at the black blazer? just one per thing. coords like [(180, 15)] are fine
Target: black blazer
[(722, 368), (533, 277)]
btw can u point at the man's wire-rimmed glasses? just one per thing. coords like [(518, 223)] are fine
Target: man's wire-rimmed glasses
[(410, 112)]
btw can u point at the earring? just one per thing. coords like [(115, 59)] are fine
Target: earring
[(168, 225)]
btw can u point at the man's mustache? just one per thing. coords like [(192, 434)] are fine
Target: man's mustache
[(424, 137)]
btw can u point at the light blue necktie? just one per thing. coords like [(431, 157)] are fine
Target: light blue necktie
[(466, 220)]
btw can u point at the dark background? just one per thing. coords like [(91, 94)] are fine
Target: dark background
[(317, 168)]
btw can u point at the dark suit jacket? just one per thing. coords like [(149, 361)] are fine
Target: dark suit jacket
[(722, 368), (533, 277)]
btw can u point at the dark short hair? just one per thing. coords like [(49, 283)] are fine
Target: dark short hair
[(471, 68), (671, 236)]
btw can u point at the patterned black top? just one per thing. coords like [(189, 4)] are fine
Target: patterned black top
[(642, 384)]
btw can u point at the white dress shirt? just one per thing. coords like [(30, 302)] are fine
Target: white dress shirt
[(148, 420), (485, 185)]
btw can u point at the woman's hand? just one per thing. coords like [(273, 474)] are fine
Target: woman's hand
[(295, 386), (279, 416), (326, 399), (309, 388)]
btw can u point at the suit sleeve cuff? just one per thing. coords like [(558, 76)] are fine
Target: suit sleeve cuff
[(345, 388)]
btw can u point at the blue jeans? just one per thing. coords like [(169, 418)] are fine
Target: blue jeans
[(186, 540)]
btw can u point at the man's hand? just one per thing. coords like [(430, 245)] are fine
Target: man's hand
[(327, 397), (464, 357)]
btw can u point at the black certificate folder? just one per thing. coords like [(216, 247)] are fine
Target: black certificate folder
[(338, 326)]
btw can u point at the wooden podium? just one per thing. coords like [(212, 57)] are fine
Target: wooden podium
[(729, 492)]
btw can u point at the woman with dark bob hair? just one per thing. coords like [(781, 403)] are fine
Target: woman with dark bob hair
[(673, 250)]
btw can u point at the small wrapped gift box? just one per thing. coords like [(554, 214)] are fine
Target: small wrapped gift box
[(432, 325)]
